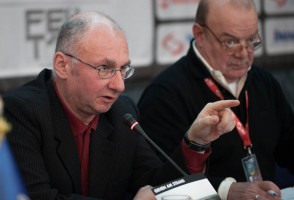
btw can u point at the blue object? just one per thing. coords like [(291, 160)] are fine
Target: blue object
[(11, 185)]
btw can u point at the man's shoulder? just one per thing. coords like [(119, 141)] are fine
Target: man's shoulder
[(181, 71), (31, 92), (261, 74)]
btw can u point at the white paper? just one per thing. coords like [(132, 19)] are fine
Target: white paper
[(196, 186)]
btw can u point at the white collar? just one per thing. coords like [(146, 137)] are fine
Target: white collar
[(234, 88)]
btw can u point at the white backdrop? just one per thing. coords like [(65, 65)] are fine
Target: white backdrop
[(29, 30), (158, 31)]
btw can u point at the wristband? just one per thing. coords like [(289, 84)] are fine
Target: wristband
[(195, 146)]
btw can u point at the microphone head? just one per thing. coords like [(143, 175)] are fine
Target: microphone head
[(129, 120)]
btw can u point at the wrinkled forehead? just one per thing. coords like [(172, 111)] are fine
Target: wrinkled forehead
[(233, 18), (101, 36), (104, 43)]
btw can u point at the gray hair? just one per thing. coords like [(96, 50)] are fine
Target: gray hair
[(203, 7), (76, 26)]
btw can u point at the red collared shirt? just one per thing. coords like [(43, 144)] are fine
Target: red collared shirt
[(81, 133)]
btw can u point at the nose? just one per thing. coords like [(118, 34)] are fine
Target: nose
[(116, 82), (243, 52), (244, 48)]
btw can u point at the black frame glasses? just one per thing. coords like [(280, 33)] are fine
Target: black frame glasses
[(106, 72), (233, 45)]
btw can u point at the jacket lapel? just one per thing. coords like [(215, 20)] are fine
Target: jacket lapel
[(66, 148), (103, 154), (67, 153)]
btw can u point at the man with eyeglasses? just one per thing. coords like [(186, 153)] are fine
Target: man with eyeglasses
[(219, 65), (68, 134)]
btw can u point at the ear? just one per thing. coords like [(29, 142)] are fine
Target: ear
[(198, 34), (61, 65)]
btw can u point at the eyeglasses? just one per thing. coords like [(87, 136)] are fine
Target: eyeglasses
[(106, 72), (233, 45)]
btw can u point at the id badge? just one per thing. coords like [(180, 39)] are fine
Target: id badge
[(251, 168)]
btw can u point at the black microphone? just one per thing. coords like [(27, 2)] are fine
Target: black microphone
[(130, 121)]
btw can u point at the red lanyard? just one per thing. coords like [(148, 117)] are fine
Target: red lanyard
[(243, 131)]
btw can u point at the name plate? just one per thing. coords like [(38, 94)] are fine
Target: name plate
[(193, 187)]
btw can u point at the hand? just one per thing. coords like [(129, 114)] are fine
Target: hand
[(145, 193), (253, 190), (214, 120)]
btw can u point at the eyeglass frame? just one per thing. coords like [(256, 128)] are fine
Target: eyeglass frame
[(129, 72), (224, 45)]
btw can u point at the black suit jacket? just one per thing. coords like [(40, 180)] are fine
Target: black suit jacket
[(44, 147), (179, 94)]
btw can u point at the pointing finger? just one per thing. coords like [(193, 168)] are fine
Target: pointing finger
[(223, 104)]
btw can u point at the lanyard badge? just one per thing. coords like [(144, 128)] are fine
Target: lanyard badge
[(251, 168), (250, 164)]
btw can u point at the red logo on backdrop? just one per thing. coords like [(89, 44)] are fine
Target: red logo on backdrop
[(164, 4), (281, 3), (173, 45)]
